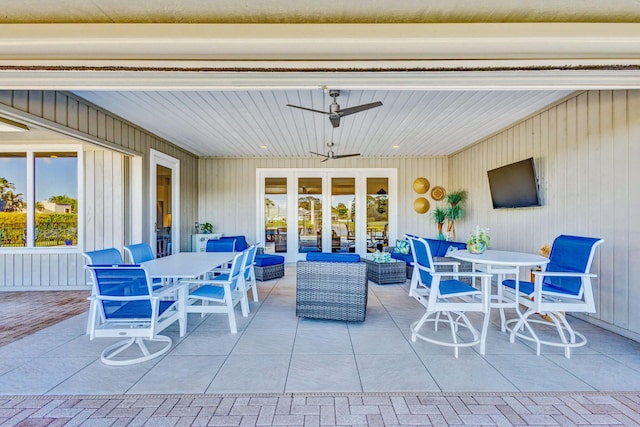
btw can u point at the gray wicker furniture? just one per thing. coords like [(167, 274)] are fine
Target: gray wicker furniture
[(331, 290), (384, 273), (268, 266)]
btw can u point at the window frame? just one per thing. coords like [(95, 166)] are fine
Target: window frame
[(31, 150)]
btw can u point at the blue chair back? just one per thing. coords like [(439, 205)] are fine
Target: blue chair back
[(236, 269), (249, 259), (109, 256), (220, 245), (422, 257), (122, 290), (572, 254), (140, 252)]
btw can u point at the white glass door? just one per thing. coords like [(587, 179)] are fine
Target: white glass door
[(164, 207), (325, 210)]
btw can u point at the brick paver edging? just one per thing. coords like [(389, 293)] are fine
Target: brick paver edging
[(308, 409)]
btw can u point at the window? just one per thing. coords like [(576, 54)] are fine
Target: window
[(39, 198)]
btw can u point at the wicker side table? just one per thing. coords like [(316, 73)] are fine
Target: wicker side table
[(384, 273)]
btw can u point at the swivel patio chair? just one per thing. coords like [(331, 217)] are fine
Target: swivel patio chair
[(130, 308), (108, 256), (563, 287), (447, 299), (220, 294)]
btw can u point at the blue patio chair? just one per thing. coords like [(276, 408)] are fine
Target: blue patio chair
[(248, 272), (220, 294), (447, 299), (140, 252), (108, 256), (563, 287), (130, 308), (220, 245)]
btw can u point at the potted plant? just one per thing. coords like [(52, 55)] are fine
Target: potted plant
[(454, 211), (440, 216), (206, 228), (479, 240)]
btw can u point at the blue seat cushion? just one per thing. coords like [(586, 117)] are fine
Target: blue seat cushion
[(265, 260), (439, 248), (408, 258), (332, 257), (241, 242), (135, 309), (451, 287), (209, 292)]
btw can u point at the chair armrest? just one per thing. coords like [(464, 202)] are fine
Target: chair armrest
[(166, 290), (562, 274)]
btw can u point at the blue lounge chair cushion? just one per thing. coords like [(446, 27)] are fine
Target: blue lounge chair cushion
[(241, 242), (332, 257), (408, 258), (265, 260), (219, 245)]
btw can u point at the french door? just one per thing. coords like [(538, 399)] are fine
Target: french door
[(164, 183), (326, 210)]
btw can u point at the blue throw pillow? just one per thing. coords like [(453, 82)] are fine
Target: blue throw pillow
[(402, 247)]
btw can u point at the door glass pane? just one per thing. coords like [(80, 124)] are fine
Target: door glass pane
[(56, 195), (309, 215), (163, 211), (275, 212), (377, 213), (343, 212), (13, 191)]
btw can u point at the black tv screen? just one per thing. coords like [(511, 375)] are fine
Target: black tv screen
[(514, 185)]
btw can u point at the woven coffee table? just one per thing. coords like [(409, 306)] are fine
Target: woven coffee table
[(384, 273)]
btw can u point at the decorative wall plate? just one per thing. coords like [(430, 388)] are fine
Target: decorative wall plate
[(438, 193), (421, 205), (421, 185)]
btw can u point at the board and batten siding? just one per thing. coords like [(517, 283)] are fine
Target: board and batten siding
[(586, 152), (227, 189), (109, 140)]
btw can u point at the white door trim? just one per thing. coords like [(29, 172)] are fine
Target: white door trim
[(162, 159)]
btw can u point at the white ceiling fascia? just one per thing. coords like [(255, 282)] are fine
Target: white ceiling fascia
[(303, 42)]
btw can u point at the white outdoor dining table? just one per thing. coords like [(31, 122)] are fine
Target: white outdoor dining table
[(501, 263), (185, 265)]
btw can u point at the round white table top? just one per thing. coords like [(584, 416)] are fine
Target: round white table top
[(493, 257)]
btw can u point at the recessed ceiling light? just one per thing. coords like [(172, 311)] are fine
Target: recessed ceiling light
[(264, 147), (7, 125), (395, 147)]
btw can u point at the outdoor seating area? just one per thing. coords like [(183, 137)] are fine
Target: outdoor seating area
[(276, 351)]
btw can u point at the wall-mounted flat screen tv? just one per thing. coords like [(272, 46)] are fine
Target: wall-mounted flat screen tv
[(514, 185)]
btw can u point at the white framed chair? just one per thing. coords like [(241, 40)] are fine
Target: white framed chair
[(220, 294), (108, 256), (139, 252), (447, 299), (248, 273), (563, 287), (130, 308)]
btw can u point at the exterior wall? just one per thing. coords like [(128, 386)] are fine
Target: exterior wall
[(227, 189), (105, 201), (586, 153)]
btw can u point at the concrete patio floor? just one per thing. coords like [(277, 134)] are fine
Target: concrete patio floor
[(276, 357)]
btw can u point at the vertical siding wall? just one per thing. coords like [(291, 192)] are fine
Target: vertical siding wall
[(105, 224), (227, 189), (587, 156)]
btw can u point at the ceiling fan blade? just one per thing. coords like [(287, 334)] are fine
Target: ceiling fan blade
[(327, 158), (350, 110), (335, 120), (308, 109), (342, 156), (318, 154)]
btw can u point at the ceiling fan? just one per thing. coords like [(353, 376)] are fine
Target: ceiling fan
[(335, 112), (331, 155)]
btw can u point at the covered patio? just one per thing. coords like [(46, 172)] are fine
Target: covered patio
[(275, 352)]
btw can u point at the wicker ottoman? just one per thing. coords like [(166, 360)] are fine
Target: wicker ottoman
[(268, 267), (384, 273)]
